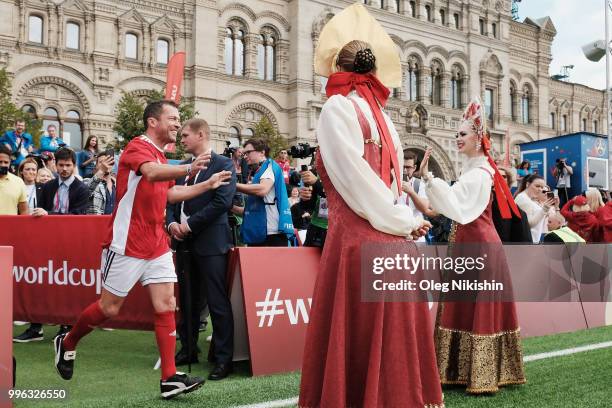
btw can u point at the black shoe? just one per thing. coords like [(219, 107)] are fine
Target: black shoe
[(29, 335), (182, 358), (179, 383), (64, 359), (220, 371), (63, 329)]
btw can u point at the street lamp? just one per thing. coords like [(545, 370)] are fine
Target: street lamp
[(594, 51)]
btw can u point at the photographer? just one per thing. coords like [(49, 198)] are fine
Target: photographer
[(314, 201), (267, 216), (563, 173), (52, 141), (18, 142)]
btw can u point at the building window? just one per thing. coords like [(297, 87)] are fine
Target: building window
[(436, 85), (72, 132), (442, 17), (456, 20), (382, 4), (35, 29), (513, 102), (234, 136), (595, 129), (413, 9), (248, 133), (564, 123), (481, 23), (494, 30), (131, 46), (489, 104), (411, 83), (266, 57), (51, 117), (30, 110), (428, 13), (234, 51), (397, 5), (552, 120), (163, 51), (525, 108), (584, 125), (229, 52), (456, 84), (72, 36)]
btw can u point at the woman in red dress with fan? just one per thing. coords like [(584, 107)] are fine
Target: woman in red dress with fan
[(478, 343), (363, 354)]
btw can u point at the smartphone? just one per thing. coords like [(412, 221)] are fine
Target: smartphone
[(304, 167), (550, 195)]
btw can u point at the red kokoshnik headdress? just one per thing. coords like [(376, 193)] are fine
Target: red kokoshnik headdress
[(474, 113)]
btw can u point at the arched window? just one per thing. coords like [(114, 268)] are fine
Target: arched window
[(234, 136), (525, 100), (30, 110), (481, 25), (513, 101), (35, 29), (382, 3), (595, 127), (456, 20), (131, 46), (234, 49), (442, 17), (163, 51), (553, 118), (428, 12), (239, 53), (436, 84), (51, 117), (494, 30), (266, 55), (248, 133), (413, 9), (229, 52), (456, 85), (564, 123), (73, 31), (73, 131), (584, 125)]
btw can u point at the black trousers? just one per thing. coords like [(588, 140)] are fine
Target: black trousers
[(208, 285), (276, 240)]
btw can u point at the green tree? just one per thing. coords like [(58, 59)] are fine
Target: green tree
[(9, 112), (266, 131), (129, 122)]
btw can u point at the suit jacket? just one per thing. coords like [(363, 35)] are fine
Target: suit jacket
[(78, 196), (208, 212)]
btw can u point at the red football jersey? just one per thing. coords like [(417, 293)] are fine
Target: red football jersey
[(137, 226)]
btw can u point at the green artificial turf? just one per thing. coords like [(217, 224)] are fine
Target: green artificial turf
[(115, 369)]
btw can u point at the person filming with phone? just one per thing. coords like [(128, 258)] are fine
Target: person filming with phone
[(531, 197)]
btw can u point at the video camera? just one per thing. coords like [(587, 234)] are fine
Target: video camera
[(302, 151), (229, 150)]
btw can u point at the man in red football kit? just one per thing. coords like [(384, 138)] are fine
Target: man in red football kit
[(136, 247)]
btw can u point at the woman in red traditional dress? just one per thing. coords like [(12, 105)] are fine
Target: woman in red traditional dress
[(363, 354), (478, 343)]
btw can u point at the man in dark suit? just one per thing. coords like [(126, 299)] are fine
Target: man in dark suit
[(66, 194), (200, 229)]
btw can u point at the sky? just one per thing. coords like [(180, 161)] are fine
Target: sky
[(577, 23)]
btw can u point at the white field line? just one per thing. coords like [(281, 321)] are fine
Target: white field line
[(534, 357)]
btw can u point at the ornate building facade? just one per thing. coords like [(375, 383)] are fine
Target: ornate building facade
[(72, 60)]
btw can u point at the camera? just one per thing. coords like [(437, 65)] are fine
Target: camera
[(302, 151), (229, 150)]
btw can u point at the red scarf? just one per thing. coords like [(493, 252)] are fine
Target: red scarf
[(375, 94), (505, 201)]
